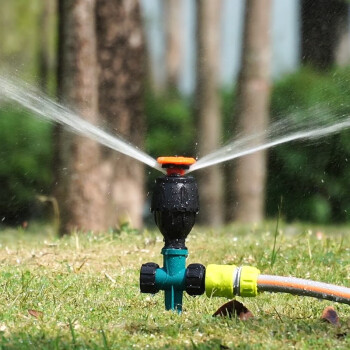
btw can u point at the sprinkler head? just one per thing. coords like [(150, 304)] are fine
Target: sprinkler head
[(175, 202), (175, 205)]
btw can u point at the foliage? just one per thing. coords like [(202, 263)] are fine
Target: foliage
[(312, 177), (170, 126), (25, 163), (228, 99), (82, 291), (18, 36)]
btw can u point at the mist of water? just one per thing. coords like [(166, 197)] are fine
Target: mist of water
[(32, 100), (297, 126)]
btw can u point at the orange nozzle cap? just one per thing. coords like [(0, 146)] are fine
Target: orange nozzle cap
[(176, 160), (176, 165)]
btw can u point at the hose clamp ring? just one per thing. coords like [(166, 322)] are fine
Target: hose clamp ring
[(236, 281)]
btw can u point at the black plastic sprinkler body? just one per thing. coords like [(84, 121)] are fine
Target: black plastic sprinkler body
[(175, 205)]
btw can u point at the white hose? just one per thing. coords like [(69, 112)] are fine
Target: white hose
[(299, 286)]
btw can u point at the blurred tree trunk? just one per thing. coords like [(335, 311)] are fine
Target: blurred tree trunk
[(174, 37), (325, 32), (59, 51), (207, 107), (44, 45), (252, 110), (121, 54), (80, 196)]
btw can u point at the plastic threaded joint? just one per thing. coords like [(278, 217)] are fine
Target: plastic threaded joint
[(249, 281), (230, 281), (148, 278), (219, 280), (195, 277)]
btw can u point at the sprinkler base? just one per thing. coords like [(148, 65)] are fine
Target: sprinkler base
[(174, 278)]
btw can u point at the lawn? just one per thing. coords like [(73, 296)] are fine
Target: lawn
[(82, 292)]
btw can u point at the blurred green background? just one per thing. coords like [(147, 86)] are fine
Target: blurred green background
[(312, 178)]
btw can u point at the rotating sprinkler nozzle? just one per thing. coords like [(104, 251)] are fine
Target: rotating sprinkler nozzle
[(175, 205)]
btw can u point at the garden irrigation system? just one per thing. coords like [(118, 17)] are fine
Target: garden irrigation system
[(175, 205)]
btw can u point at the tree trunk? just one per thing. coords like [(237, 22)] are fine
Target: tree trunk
[(325, 32), (207, 108), (174, 38), (253, 95), (43, 55), (44, 46), (81, 197), (121, 53)]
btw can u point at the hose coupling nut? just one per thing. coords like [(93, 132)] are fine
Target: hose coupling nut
[(248, 286), (230, 281), (148, 278), (195, 276)]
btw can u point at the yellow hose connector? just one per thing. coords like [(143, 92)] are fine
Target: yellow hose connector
[(248, 286), (229, 281), (219, 280)]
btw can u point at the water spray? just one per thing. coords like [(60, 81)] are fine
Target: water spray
[(175, 204)]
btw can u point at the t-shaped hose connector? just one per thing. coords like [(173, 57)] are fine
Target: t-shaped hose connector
[(175, 205), (174, 278)]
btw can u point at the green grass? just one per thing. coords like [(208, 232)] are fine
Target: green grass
[(86, 287)]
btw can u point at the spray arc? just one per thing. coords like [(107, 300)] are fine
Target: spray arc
[(175, 205)]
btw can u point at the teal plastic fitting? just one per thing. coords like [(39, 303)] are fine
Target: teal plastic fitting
[(172, 277)]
